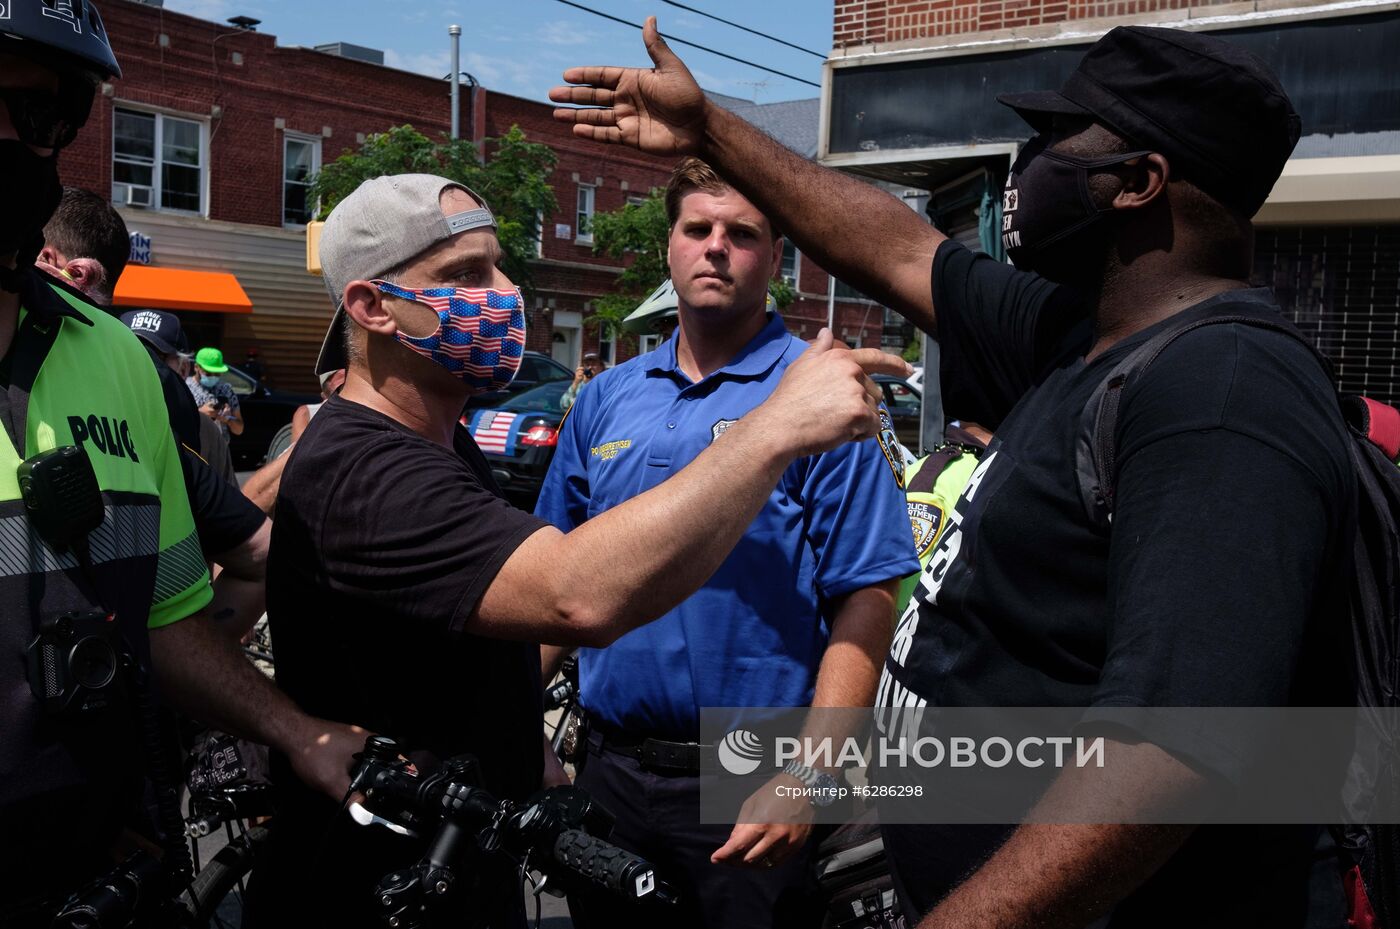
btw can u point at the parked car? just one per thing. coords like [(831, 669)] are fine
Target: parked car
[(264, 412), (535, 369), (518, 439), (905, 403)]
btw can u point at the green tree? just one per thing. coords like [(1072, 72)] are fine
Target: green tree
[(514, 179), (637, 234)]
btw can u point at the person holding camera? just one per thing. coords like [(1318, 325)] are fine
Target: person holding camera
[(584, 373), (406, 594), (212, 394)]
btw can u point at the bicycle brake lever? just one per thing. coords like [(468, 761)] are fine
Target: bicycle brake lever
[(364, 817)]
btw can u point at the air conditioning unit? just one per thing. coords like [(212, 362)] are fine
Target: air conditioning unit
[(137, 195)]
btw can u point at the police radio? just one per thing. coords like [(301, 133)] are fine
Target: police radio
[(75, 658)]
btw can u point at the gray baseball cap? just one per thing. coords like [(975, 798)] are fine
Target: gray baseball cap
[(385, 222)]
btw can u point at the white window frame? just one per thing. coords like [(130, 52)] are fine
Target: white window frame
[(796, 264), (608, 339), (648, 343), (539, 233), (584, 216), (160, 117), (315, 143)]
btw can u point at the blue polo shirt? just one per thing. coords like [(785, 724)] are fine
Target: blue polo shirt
[(754, 635)]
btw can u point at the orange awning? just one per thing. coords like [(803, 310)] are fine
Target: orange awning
[(173, 289)]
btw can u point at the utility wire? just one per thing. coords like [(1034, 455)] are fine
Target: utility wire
[(764, 35), (670, 38)]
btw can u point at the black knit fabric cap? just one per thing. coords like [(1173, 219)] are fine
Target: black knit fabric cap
[(1216, 111)]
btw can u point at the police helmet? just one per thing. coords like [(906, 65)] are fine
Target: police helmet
[(66, 35)]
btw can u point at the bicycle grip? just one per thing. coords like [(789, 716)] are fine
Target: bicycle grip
[(608, 866)]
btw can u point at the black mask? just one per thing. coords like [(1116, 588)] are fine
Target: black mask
[(29, 194), (1045, 205)]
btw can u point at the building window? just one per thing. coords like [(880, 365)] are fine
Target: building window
[(158, 161), (792, 264), (301, 159), (539, 233), (583, 228), (607, 346), (648, 343)]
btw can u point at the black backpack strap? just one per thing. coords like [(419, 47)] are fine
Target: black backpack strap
[(1096, 449), (923, 480), (955, 444)]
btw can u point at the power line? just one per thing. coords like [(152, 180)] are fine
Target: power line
[(720, 19), (670, 38)]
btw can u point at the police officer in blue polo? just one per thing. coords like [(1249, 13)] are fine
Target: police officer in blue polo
[(799, 614)]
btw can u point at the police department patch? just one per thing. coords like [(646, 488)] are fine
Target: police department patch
[(925, 519), (720, 428), (890, 446)]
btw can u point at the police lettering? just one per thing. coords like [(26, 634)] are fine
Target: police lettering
[(109, 436)]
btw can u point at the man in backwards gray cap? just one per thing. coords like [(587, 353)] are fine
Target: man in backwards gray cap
[(1219, 581), (407, 595)]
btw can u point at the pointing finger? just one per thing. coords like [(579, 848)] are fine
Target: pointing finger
[(874, 361)]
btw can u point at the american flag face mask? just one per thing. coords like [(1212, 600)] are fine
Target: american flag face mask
[(480, 336)]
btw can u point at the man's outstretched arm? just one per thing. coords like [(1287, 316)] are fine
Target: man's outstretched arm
[(861, 234)]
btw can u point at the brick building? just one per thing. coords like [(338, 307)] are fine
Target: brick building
[(208, 140), (908, 98)]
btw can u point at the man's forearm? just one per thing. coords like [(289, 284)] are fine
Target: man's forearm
[(1065, 874), (850, 669), (852, 229), (860, 636), (635, 562), (203, 673), (261, 486)]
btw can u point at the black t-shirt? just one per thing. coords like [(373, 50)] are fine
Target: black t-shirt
[(383, 545), (1221, 583)]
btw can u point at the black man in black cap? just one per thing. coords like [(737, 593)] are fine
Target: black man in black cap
[(1220, 582)]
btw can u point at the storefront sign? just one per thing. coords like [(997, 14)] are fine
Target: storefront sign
[(140, 249)]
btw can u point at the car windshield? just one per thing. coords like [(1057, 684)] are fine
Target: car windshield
[(241, 382), (541, 399)]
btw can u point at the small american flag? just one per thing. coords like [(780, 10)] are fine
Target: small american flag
[(492, 431)]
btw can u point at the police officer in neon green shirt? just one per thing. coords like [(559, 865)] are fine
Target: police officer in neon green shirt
[(932, 486), (110, 561)]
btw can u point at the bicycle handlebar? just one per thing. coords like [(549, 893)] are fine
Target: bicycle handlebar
[(553, 831)]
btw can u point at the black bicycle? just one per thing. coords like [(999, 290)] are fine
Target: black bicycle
[(563, 696), (557, 834)]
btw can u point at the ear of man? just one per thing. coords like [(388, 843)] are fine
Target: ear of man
[(365, 305)]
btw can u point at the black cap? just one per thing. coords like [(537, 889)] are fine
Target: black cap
[(1215, 110), (161, 330)]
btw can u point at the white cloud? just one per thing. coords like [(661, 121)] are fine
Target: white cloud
[(560, 32), (433, 64)]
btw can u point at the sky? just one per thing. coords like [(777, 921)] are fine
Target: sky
[(520, 47)]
